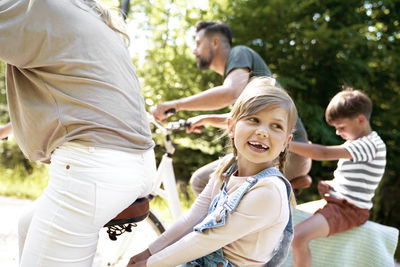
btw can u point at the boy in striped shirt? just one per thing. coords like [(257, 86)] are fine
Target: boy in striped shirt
[(362, 160)]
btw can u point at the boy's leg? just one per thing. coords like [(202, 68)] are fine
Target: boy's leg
[(314, 227)]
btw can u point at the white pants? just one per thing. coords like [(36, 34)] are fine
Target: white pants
[(87, 188)]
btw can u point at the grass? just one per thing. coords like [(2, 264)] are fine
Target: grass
[(20, 184)]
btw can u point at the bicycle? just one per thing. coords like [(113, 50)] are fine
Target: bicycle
[(137, 226)]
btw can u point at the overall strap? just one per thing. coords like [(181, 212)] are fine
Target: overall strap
[(280, 253), (225, 203), (233, 199)]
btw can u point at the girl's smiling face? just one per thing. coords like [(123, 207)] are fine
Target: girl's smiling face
[(259, 139)]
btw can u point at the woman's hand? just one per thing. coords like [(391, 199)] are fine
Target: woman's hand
[(139, 259)]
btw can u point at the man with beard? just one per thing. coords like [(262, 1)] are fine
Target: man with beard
[(214, 51), (237, 65)]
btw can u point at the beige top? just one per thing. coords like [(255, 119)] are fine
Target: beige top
[(248, 238), (69, 78)]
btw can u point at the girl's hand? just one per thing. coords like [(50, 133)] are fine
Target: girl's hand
[(138, 264), (140, 258), (323, 188)]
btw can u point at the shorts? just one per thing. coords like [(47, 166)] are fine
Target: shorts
[(342, 215)]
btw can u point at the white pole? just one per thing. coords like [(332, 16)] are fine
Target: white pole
[(168, 179)]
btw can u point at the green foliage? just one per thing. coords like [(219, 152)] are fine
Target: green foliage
[(17, 182)]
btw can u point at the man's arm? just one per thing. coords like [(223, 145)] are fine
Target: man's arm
[(319, 152), (212, 99)]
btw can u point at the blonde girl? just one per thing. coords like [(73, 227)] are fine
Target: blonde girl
[(242, 218)]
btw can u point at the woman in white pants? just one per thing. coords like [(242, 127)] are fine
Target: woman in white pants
[(74, 102)]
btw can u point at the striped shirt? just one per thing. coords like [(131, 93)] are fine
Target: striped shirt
[(356, 179)]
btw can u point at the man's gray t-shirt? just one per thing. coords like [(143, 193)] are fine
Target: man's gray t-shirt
[(244, 57), (241, 57)]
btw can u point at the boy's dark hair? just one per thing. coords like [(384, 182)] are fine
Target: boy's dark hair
[(213, 27), (348, 103)]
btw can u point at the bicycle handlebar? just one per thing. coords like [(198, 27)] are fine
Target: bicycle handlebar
[(178, 125), (168, 112), (171, 126)]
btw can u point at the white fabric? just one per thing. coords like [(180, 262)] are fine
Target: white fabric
[(87, 188)]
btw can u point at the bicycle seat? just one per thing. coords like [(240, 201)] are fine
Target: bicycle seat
[(136, 212)]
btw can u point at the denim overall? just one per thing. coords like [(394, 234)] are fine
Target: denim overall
[(224, 203)]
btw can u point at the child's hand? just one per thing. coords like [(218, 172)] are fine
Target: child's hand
[(140, 258), (323, 188), (138, 264)]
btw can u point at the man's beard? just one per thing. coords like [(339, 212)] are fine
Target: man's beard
[(204, 63)]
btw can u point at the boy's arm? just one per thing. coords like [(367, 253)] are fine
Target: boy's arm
[(319, 152)]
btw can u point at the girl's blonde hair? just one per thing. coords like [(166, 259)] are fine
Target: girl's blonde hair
[(260, 93), (112, 20)]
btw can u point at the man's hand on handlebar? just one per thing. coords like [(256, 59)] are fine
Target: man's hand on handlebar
[(163, 110)]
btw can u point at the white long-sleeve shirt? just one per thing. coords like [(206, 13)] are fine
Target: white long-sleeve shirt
[(248, 238)]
